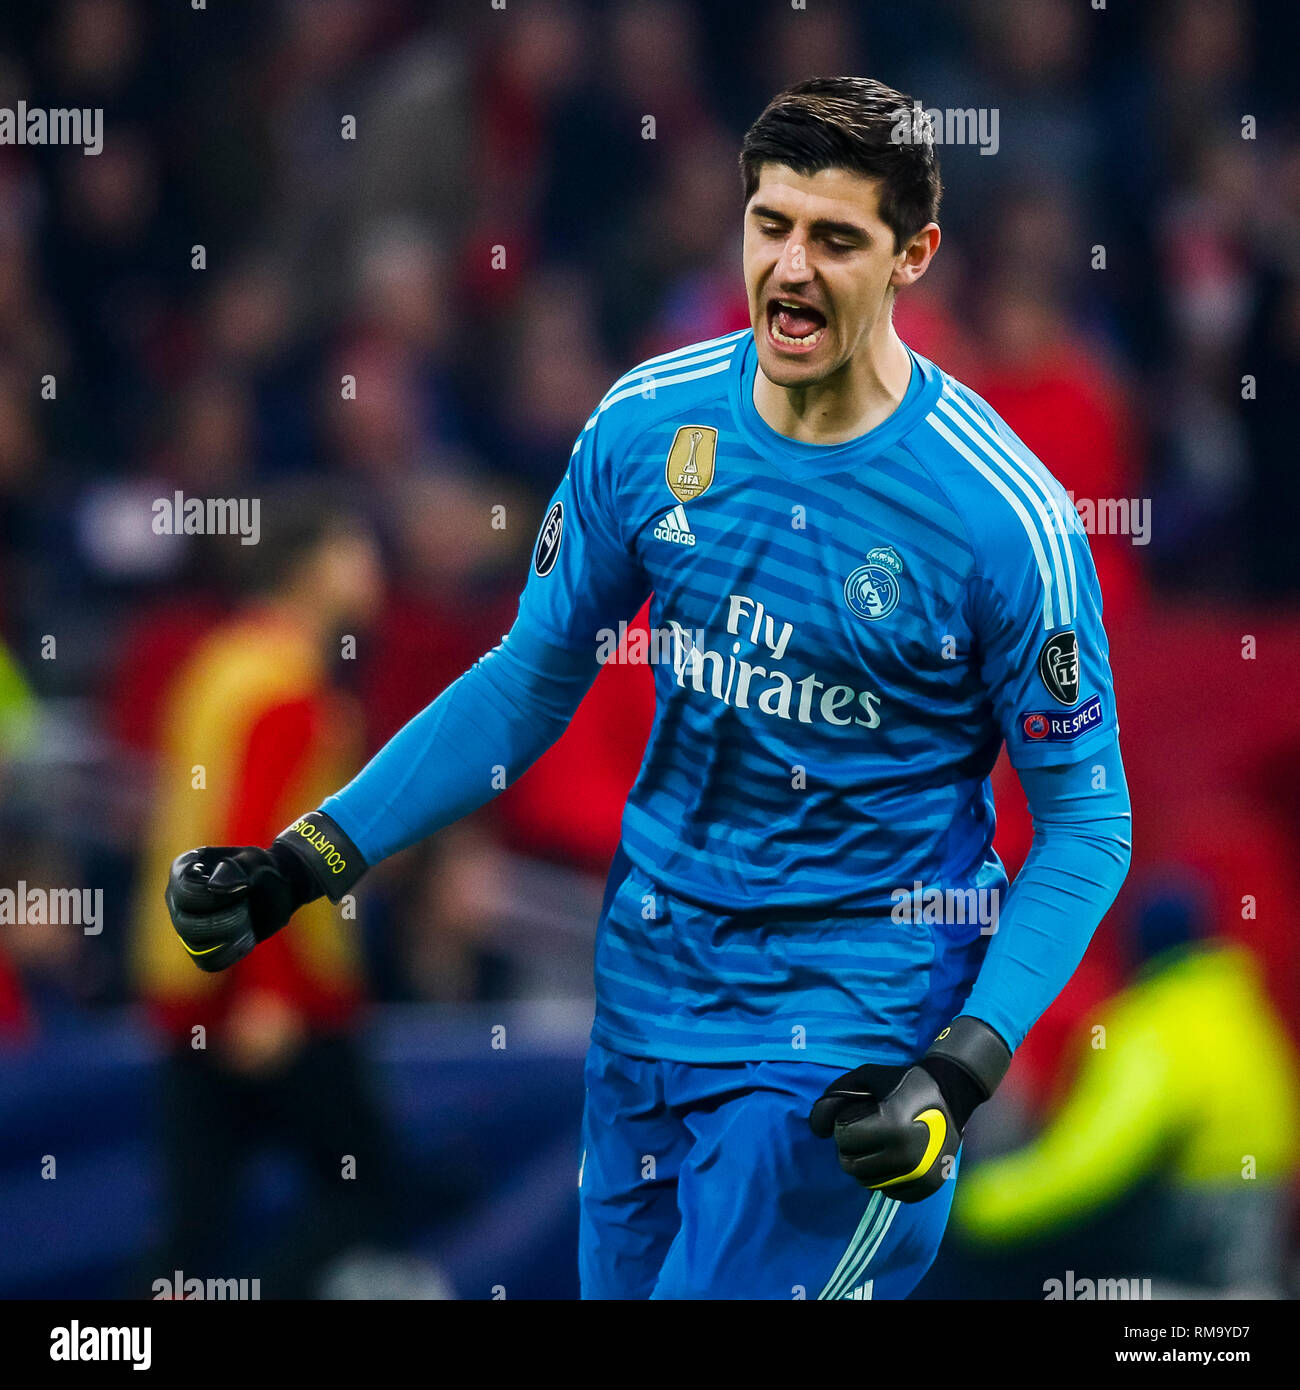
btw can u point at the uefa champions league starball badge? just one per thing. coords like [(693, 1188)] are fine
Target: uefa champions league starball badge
[(873, 589)]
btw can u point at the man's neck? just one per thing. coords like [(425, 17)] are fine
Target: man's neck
[(861, 395)]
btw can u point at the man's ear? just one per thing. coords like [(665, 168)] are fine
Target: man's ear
[(914, 259)]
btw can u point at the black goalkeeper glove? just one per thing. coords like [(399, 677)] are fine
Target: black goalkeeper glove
[(224, 899), (898, 1129)]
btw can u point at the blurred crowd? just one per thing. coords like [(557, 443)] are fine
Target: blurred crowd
[(482, 254)]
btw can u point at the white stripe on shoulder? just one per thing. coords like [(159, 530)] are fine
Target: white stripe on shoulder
[(727, 340), (657, 383), (642, 374), (1057, 526), (1031, 530), (1029, 486)]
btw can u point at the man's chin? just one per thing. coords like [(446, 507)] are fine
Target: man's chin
[(781, 370)]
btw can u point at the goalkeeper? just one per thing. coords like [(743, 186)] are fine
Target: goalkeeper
[(809, 968)]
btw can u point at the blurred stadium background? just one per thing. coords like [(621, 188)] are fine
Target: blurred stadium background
[(455, 1003)]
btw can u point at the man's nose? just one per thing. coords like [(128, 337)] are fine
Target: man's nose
[(793, 267)]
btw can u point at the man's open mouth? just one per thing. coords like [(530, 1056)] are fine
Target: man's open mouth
[(796, 327)]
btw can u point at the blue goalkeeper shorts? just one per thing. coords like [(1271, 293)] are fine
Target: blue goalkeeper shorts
[(706, 1182)]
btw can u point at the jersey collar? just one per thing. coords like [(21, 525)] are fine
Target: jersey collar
[(797, 459)]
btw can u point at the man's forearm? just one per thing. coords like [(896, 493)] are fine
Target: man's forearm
[(1078, 860), (500, 716)]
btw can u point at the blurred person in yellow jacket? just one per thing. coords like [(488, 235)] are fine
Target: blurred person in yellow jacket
[(1186, 1095), (254, 729), (17, 708)]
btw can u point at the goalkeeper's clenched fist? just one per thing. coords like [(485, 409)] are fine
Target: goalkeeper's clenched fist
[(224, 899), (901, 1133)]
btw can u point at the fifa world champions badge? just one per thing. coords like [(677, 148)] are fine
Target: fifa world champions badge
[(872, 590), (691, 461)]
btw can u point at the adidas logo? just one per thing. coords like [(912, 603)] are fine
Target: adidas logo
[(862, 1291), (674, 527)]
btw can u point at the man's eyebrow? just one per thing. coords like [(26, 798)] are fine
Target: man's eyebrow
[(842, 229), (770, 213), (823, 225)]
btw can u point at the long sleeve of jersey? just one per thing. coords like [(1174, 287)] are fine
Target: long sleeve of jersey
[(485, 730), (1076, 864)]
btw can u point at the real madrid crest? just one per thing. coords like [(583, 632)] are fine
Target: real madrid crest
[(872, 590), (691, 461)]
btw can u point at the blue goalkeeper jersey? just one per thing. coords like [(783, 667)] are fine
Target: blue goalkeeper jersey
[(842, 638)]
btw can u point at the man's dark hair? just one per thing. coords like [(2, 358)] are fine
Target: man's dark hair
[(850, 123)]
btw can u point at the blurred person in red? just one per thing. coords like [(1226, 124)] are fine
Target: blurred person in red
[(254, 727)]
